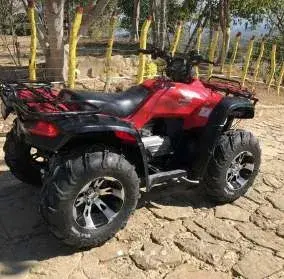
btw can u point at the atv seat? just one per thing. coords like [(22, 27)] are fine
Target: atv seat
[(119, 104)]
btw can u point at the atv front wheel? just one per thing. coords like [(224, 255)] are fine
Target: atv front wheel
[(88, 197), (19, 158), (233, 167)]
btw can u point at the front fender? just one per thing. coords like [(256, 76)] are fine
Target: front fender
[(229, 107)]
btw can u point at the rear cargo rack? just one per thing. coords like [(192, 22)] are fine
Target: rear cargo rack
[(38, 99)]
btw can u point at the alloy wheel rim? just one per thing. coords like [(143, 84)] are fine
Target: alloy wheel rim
[(98, 203), (240, 170)]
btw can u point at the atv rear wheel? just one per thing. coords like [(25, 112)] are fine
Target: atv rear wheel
[(88, 197), (19, 158), (234, 166)]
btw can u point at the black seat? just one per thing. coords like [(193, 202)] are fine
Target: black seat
[(119, 104)]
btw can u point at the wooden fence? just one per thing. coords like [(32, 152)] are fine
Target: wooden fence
[(248, 69)]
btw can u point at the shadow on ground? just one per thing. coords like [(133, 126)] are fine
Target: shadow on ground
[(24, 237)]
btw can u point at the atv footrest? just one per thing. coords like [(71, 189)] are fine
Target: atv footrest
[(164, 176)]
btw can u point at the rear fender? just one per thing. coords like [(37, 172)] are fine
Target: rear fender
[(75, 132)]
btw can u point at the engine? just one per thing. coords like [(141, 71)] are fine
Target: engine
[(157, 146)]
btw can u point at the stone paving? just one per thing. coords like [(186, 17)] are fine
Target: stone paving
[(175, 233)]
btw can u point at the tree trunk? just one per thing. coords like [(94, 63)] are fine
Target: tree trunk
[(94, 13), (135, 21), (201, 22), (156, 22), (163, 24), (224, 24), (159, 14), (55, 53)]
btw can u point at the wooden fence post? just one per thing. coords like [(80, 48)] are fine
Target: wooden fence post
[(234, 55), (73, 46), (33, 47), (273, 66), (280, 80), (226, 40), (143, 45), (212, 50), (109, 51), (258, 61), (247, 60), (176, 39), (198, 45)]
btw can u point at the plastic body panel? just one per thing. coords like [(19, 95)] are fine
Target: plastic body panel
[(192, 102)]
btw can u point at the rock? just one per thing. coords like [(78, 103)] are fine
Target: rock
[(255, 196), (272, 181), (110, 251), (172, 213), (188, 271), (268, 217), (277, 201), (231, 212), (182, 271), (124, 268), (271, 213), (139, 226), (263, 188), (198, 231), (167, 232), (219, 229), (246, 204), (207, 252), (280, 230), (280, 254), (260, 237), (92, 269), (152, 256), (258, 266)]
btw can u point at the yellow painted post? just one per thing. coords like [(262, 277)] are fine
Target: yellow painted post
[(225, 42), (198, 45), (176, 39), (258, 61), (33, 47), (143, 45), (273, 66), (280, 80), (212, 50), (109, 51), (235, 51), (73, 47), (247, 60)]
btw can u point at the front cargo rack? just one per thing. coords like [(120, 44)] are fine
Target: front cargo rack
[(229, 87)]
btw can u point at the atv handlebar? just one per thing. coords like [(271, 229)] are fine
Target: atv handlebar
[(193, 58)]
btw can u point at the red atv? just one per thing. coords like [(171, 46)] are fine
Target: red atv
[(92, 152)]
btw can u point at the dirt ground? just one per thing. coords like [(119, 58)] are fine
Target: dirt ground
[(175, 232)]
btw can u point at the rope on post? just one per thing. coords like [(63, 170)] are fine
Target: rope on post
[(280, 80), (143, 45), (258, 61), (235, 51), (212, 50), (273, 66), (198, 45), (176, 39), (73, 46), (109, 51), (247, 60), (225, 43), (33, 47)]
